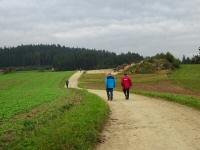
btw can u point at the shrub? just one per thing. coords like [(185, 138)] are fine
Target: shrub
[(145, 67), (157, 63), (8, 70)]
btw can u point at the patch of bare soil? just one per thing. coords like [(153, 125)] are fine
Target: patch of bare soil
[(165, 86), (104, 71)]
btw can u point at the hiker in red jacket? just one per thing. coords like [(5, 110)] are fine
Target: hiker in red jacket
[(126, 85)]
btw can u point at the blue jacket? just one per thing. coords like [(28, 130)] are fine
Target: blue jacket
[(110, 82)]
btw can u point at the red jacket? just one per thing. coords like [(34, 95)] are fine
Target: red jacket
[(126, 82)]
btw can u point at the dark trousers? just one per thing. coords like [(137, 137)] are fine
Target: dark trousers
[(126, 93), (109, 94)]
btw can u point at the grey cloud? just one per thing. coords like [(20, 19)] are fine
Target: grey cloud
[(145, 26)]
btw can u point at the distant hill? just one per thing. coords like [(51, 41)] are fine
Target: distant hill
[(155, 64), (62, 58)]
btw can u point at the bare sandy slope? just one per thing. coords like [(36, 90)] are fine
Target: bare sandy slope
[(100, 71), (105, 71), (143, 123)]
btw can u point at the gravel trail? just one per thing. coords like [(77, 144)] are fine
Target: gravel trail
[(144, 123)]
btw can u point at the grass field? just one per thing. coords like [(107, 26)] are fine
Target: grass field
[(38, 113), (188, 76), (22, 91), (182, 85)]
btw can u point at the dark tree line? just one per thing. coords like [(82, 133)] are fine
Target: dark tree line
[(194, 60), (63, 58)]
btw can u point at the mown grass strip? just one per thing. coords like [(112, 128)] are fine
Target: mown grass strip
[(181, 99)]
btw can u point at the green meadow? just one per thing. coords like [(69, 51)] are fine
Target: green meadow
[(38, 113), (188, 76), (21, 91)]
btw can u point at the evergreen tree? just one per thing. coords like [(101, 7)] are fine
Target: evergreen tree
[(62, 58)]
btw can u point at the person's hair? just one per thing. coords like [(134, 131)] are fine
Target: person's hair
[(125, 74)]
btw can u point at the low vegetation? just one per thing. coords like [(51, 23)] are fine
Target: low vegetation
[(59, 119), (181, 99)]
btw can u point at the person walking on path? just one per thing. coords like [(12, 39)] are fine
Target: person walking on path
[(67, 83), (110, 85), (126, 85)]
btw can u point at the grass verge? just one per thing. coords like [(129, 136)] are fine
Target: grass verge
[(181, 99)]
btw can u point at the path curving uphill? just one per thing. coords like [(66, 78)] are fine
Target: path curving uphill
[(144, 123)]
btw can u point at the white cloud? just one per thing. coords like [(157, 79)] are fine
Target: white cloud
[(145, 26)]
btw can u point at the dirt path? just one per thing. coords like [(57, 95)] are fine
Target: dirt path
[(143, 123)]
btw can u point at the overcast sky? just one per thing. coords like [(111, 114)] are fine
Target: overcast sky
[(143, 26)]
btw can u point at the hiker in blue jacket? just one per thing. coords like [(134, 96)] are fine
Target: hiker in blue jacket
[(110, 85)]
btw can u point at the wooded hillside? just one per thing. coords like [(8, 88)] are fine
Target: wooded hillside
[(63, 58)]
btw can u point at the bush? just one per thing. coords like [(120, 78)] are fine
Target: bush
[(145, 67), (157, 63), (8, 70)]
